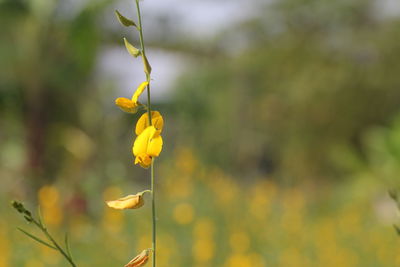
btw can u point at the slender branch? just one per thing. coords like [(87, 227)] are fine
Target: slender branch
[(39, 223), (44, 230)]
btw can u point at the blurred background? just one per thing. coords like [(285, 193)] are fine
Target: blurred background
[(282, 131)]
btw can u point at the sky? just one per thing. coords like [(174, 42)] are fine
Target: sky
[(205, 17), (196, 19)]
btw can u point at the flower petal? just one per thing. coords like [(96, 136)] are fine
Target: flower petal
[(144, 160), (155, 146), (142, 141), (140, 259), (143, 122), (126, 104), (139, 91), (128, 202), (147, 145)]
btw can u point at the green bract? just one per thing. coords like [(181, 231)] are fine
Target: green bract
[(131, 49), (123, 20)]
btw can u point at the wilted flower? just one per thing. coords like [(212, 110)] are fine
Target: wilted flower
[(131, 105), (146, 146), (140, 259), (156, 120), (128, 202)]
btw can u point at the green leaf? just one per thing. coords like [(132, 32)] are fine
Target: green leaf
[(131, 49), (40, 217), (36, 238), (147, 67), (123, 20), (67, 245)]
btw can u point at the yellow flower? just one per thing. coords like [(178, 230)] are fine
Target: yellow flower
[(128, 202), (131, 105), (156, 120), (140, 259), (146, 146)]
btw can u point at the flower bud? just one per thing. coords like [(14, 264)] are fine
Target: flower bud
[(126, 105), (18, 206), (128, 202), (140, 259), (131, 105), (28, 218)]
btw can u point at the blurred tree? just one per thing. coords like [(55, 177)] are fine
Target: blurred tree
[(382, 150), (48, 54), (296, 83)]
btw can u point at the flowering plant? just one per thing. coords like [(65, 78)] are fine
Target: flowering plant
[(146, 147)]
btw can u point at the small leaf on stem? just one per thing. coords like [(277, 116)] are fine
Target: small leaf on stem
[(147, 67), (40, 217), (123, 20), (67, 245), (131, 49), (36, 238)]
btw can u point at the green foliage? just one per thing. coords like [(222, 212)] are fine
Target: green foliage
[(133, 51), (38, 223), (37, 239), (48, 62), (381, 146), (294, 96), (123, 20)]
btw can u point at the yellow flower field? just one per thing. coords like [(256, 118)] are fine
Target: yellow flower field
[(207, 218)]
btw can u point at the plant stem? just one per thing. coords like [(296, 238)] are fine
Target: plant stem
[(153, 203), (44, 230), (153, 208), (143, 49)]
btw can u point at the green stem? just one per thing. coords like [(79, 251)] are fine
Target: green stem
[(143, 49), (44, 230), (148, 79), (153, 208)]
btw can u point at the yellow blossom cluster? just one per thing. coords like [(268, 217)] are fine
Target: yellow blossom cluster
[(147, 146), (148, 143)]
